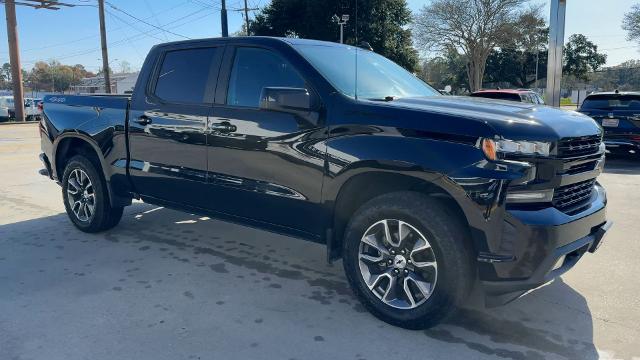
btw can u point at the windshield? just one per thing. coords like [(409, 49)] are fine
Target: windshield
[(378, 78), (612, 102)]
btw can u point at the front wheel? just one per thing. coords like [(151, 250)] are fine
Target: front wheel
[(86, 197), (407, 260)]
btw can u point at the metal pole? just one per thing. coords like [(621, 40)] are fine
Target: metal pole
[(105, 55), (246, 16), (223, 15), (14, 59), (556, 45), (537, 65), (341, 33)]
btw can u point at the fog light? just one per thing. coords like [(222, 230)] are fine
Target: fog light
[(559, 263), (530, 196)]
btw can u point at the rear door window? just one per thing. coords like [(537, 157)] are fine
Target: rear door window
[(188, 76)]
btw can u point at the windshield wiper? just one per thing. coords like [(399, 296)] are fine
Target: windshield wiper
[(386, 98)]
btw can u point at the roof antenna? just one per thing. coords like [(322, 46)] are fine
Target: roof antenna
[(356, 50)]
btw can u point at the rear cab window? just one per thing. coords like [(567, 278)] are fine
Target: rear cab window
[(188, 76)]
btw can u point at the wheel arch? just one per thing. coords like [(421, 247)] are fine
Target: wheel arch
[(364, 186), (70, 144)]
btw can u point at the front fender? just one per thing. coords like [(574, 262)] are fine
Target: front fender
[(459, 169), (387, 149)]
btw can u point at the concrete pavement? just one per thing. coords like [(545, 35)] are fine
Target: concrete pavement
[(170, 285)]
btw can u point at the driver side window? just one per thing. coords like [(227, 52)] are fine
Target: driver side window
[(254, 69)]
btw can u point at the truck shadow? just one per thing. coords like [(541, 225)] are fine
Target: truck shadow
[(554, 322)]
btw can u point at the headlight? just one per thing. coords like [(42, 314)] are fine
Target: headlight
[(494, 148), (532, 196)]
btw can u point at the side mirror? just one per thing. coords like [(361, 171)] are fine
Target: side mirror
[(287, 99)]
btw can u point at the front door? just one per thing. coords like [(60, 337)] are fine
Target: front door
[(168, 126), (265, 165)]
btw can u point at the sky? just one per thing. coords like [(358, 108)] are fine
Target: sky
[(71, 35)]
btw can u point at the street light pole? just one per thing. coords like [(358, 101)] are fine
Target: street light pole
[(340, 21)]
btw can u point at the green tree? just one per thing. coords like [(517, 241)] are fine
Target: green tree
[(448, 69), (381, 23), (515, 61), (581, 57), (473, 27), (54, 76), (5, 76), (631, 23), (624, 77)]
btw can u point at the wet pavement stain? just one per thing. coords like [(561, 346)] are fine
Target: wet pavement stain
[(219, 268)]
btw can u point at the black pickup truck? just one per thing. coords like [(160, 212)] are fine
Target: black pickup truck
[(428, 199)]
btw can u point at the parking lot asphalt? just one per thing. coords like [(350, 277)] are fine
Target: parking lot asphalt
[(171, 285)]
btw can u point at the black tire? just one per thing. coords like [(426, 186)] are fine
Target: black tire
[(448, 238), (104, 216)]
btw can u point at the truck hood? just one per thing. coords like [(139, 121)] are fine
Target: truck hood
[(509, 119)]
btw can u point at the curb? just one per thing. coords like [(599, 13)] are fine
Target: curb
[(18, 122)]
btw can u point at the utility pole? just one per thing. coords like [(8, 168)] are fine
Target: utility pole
[(246, 16), (105, 55), (223, 15), (14, 59)]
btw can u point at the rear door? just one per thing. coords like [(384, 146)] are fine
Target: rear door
[(168, 142)]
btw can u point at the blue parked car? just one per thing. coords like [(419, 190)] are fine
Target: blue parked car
[(619, 115)]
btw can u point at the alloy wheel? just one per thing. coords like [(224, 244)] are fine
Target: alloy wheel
[(397, 263), (81, 195)]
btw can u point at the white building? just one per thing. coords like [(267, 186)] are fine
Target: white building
[(120, 84)]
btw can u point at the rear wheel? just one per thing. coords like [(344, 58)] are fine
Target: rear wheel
[(86, 198), (406, 259)]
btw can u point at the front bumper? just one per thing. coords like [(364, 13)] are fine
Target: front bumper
[(541, 245)]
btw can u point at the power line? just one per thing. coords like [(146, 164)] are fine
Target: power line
[(130, 24), (73, 41), (139, 36), (144, 22), (155, 17)]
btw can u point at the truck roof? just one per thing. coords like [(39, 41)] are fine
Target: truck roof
[(258, 40)]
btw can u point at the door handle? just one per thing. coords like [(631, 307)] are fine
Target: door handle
[(143, 120), (223, 127)]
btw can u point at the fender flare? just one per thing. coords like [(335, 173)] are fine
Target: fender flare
[(113, 199)]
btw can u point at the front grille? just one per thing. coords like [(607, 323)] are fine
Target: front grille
[(580, 168), (572, 198), (579, 146)]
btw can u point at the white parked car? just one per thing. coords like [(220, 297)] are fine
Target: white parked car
[(32, 108), (6, 104)]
